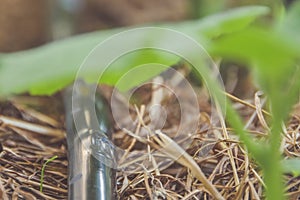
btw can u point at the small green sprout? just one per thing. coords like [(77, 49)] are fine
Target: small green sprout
[(43, 171)]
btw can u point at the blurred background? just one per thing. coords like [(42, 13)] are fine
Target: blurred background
[(30, 23)]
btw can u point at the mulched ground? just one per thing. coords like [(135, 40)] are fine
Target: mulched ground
[(32, 131)]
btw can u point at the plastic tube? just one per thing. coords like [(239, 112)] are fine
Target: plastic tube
[(90, 152)]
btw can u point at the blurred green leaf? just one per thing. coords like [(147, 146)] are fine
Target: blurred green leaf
[(49, 68), (273, 58), (291, 166), (231, 21), (291, 23)]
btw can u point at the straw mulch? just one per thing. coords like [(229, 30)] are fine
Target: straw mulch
[(32, 131), (213, 163)]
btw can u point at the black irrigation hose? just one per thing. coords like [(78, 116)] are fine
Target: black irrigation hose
[(89, 178)]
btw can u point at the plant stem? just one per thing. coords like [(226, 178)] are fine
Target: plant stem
[(43, 171), (273, 173), (268, 156), (273, 177)]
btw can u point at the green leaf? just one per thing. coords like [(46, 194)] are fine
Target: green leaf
[(291, 23), (50, 68), (291, 166), (231, 21), (273, 58)]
